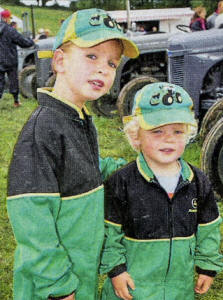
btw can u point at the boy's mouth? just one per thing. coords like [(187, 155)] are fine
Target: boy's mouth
[(167, 150), (97, 83)]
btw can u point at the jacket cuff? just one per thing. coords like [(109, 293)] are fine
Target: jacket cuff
[(117, 270), (60, 298), (206, 272)]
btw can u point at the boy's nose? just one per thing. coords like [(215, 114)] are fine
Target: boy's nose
[(102, 67), (102, 70), (169, 137)]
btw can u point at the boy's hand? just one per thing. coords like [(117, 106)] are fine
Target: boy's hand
[(204, 282), (70, 297), (121, 283)]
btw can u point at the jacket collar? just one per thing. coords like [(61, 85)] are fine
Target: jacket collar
[(143, 168), (47, 97)]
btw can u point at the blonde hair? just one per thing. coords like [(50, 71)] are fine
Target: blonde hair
[(198, 11), (131, 130), (220, 4)]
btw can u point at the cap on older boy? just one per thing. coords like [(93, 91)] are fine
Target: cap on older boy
[(163, 103), (89, 27)]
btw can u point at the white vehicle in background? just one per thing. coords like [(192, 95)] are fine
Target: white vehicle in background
[(164, 19), (64, 3)]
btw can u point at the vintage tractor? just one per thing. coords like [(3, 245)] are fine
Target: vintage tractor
[(212, 148), (195, 62)]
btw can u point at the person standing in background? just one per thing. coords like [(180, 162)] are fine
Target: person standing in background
[(211, 19), (198, 21), (10, 38)]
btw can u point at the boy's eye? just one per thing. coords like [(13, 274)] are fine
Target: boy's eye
[(112, 64), (91, 56), (157, 131), (179, 132)]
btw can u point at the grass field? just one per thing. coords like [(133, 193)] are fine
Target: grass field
[(44, 17), (111, 141)]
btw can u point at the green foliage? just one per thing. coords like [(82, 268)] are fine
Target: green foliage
[(105, 4), (196, 3), (14, 2)]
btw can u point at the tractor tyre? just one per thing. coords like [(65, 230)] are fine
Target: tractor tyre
[(212, 157), (104, 106), (214, 113), (126, 96), (27, 82)]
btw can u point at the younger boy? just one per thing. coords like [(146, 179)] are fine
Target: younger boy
[(55, 192), (161, 215)]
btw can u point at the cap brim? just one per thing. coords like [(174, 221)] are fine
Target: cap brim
[(130, 49), (156, 119), (90, 40)]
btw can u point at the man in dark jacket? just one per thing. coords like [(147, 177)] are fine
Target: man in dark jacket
[(9, 39)]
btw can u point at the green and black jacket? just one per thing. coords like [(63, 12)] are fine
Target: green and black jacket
[(159, 240), (55, 202)]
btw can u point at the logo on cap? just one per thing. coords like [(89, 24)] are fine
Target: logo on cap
[(99, 19)]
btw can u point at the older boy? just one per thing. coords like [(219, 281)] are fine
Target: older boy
[(161, 215), (55, 194)]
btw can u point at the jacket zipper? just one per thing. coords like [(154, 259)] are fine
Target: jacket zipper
[(89, 141), (170, 212)]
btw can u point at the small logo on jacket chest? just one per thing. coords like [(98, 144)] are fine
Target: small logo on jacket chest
[(194, 205)]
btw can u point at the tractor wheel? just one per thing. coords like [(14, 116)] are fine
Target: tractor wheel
[(104, 106), (27, 82), (51, 80), (126, 96), (214, 113), (212, 157)]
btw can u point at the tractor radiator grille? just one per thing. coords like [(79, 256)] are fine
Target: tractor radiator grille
[(177, 70)]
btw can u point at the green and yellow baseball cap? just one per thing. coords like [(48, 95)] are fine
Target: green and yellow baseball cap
[(89, 27), (162, 103)]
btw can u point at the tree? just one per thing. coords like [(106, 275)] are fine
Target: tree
[(16, 2), (104, 4)]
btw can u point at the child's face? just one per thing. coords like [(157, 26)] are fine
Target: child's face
[(162, 146), (90, 72), (203, 13)]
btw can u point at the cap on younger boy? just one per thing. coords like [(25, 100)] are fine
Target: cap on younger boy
[(163, 103), (89, 27)]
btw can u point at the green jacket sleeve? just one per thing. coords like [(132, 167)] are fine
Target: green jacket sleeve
[(113, 255), (207, 255), (33, 207), (108, 165), (208, 259), (39, 254)]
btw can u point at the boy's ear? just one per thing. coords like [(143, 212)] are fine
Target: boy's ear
[(135, 140), (58, 61)]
